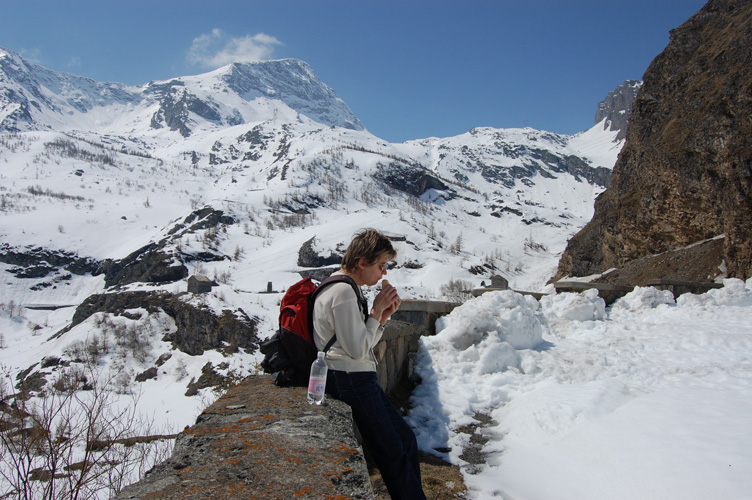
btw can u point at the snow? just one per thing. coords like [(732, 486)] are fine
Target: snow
[(598, 144), (645, 399), (648, 398)]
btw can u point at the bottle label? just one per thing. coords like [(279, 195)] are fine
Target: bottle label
[(317, 385)]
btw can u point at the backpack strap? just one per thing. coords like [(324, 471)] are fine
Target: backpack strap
[(337, 278)]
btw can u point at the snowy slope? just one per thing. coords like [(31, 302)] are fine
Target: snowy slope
[(94, 172), (113, 179)]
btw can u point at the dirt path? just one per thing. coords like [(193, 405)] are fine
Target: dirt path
[(441, 480)]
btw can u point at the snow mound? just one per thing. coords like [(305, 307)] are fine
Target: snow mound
[(494, 317), (735, 292), (604, 387), (641, 298), (585, 306), (464, 367)]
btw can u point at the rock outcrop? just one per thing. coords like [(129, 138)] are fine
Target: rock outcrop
[(310, 256), (617, 107), (198, 328), (685, 172)]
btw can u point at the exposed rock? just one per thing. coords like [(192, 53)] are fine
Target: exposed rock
[(198, 328), (175, 107), (308, 256), (202, 218), (208, 378), (162, 359), (617, 107), (159, 262), (38, 262), (319, 274), (295, 83), (412, 179), (32, 383), (148, 374), (149, 264), (685, 172), (696, 263)]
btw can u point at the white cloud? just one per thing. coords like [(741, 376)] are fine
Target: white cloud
[(31, 55), (218, 48)]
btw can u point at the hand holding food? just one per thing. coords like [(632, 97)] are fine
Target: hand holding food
[(387, 302)]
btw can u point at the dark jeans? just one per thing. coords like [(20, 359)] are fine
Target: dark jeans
[(389, 439)]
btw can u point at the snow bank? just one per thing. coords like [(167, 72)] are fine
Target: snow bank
[(648, 398), (735, 292), (462, 367), (500, 316), (639, 299)]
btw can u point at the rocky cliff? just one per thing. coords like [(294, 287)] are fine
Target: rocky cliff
[(684, 174)]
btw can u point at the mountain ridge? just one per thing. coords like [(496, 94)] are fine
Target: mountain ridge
[(37, 98), (616, 108)]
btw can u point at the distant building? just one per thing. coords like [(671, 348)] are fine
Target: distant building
[(200, 284), (499, 282)]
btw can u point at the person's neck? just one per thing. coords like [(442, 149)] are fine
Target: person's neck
[(355, 276)]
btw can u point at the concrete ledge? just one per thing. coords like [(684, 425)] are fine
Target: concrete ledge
[(427, 306), (607, 292), (395, 354), (422, 314), (678, 287), (260, 441), (477, 292)]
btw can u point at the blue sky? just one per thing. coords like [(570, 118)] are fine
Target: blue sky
[(409, 69)]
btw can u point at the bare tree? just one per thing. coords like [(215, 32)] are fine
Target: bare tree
[(457, 290), (71, 444)]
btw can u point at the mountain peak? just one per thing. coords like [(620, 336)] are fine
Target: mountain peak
[(617, 106), (293, 82)]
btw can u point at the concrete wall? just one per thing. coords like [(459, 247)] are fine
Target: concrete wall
[(399, 345)]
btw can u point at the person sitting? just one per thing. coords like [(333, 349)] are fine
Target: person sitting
[(352, 364)]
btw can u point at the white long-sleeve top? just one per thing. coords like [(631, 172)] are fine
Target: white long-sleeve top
[(337, 310)]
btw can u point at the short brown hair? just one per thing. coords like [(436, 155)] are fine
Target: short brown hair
[(370, 245)]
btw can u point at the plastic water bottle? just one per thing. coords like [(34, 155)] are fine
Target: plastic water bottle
[(317, 382)]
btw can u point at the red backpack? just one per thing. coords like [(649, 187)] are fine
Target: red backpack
[(288, 354)]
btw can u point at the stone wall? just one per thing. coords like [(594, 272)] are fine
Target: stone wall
[(260, 441)]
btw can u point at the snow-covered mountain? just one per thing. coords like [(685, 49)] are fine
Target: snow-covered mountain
[(36, 98), (128, 191)]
